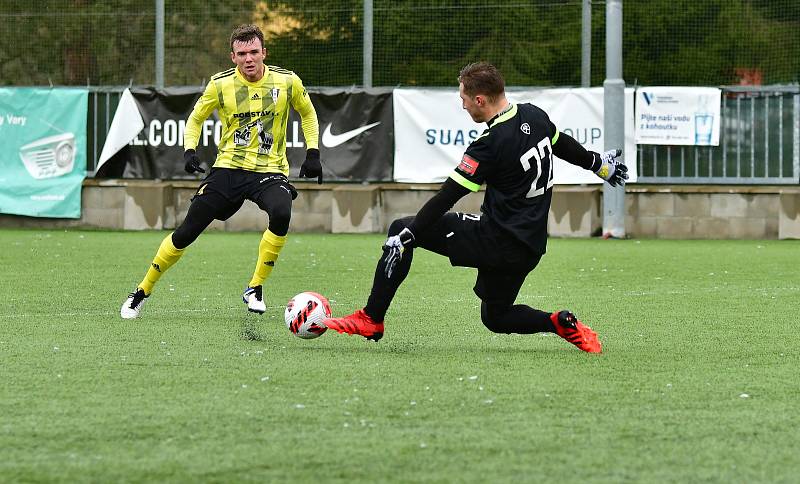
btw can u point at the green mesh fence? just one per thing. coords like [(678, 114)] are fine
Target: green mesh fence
[(535, 43)]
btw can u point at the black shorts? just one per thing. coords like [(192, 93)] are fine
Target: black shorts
[(226, 189), (470, 240)]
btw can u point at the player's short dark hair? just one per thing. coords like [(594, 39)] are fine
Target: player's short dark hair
[(246, 33), (482, 78)]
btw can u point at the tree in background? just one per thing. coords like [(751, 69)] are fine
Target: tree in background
[(686, 42), (416, 42)]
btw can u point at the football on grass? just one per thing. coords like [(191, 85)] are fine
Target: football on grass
[(304, 314)]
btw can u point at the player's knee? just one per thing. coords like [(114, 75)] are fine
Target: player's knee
[(279, 218), (492, 316), (185, 234), (399, 224)]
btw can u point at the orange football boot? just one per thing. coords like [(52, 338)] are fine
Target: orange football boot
[(357, 323), (577, 333)]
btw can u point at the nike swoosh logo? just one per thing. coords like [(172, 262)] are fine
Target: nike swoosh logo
[(330, 140)]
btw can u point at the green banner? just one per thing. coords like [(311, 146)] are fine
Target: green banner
[(42, 151)]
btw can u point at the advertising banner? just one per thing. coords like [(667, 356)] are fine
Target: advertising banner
[(432, 130), (678, 115), (356, 134), (146, 135), (43, 160)]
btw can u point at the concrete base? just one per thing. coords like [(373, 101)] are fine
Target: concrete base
[(658, 211), (575, 212), (355, 209), (789, 215), (149, 207), (702, 212)]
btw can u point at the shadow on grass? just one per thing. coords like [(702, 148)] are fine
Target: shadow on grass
[(249, 330)]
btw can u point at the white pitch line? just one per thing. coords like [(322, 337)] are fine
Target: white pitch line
[(338, 303), (116, 313)]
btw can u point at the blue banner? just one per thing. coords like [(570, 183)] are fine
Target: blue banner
[(42, 151)]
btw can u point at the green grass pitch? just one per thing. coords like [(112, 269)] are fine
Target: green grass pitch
[(698, 381)]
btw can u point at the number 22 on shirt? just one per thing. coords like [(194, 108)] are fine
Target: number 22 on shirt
[(543, 154)]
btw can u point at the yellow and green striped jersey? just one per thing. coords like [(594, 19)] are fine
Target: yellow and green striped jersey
[(254, 116)]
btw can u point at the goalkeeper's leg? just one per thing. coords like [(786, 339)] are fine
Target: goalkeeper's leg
[(435, 239), (498, 288), (384, 288), (519, 318), (368, 322)]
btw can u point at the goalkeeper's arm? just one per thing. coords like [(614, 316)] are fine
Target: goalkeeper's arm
[(438, 205), (447, 196), (605, 165)]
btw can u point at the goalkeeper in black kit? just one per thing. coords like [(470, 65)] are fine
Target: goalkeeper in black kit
[(514, 158)]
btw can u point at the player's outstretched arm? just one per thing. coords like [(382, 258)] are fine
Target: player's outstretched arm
[(607, 166)]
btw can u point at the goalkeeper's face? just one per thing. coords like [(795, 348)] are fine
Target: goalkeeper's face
[(474, 105), (249, 58)]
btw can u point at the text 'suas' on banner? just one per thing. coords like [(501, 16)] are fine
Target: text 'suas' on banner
[(678, 115), (43, 160), (432, 130), (356, 137)]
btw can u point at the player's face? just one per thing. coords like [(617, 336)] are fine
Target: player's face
[(249, 57), (474, 105)]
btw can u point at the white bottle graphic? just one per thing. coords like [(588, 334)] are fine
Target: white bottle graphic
[(703, 123)]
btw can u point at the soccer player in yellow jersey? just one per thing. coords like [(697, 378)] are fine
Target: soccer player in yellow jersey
[(252, 101)]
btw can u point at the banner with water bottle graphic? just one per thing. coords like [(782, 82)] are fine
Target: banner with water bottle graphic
[(43, 155), (678, 115)]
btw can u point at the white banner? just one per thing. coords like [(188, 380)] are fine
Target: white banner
[(432, 131), (678, 115)]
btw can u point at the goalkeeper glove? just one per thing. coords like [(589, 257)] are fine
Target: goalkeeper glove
[(394, 247), (312, 167), (192, 162), (609, 168)]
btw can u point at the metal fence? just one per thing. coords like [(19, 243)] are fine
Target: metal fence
[(759, 143), (759, 140), (103, 102)]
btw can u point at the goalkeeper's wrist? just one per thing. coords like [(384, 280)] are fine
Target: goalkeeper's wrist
[(597, 162), (407, 236)]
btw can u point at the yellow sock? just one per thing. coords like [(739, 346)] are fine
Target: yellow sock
[(268, 251), (166, 256)]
